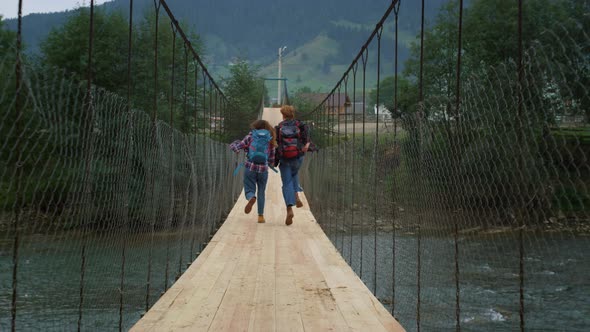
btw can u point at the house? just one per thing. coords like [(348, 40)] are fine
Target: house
[(336, 104), (216, 122), (382, 112)]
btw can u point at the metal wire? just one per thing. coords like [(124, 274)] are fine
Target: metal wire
[(469, 183), (88, 151), (97, 191), (85, 175), (18, 171)]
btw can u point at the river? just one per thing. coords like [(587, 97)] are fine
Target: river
[(557, 283)]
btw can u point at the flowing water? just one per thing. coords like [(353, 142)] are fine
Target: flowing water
[(557, 283), (556, 280)]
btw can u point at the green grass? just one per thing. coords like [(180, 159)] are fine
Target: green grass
[(580, 133), (405, 37)]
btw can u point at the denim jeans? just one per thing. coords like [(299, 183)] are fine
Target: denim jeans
[(289, 170), (251, 180), (296, 185)]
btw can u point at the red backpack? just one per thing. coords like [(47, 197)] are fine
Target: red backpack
[(289, 139)]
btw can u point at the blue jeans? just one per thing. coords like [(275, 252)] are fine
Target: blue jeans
[(251, 180), (289, 170), (296, 185)]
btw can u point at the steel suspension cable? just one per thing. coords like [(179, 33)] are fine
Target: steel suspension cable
[(185, 210), (352, 168), (394, 183), (88, 151), (364, 59), (126, 169), (153, 170), (375, 156), (171, 167), (196, 181), (18, 170), (332, 187), (346, 182), (338, 173), (519, 86), (456, 161), (420, 156)]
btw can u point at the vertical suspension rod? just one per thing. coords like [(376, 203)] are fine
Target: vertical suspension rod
[(365, 58), (184, 117), (126, 166), (519, 117), (419, 119), (455, 159), (375, 154), (88, 158), (395, 112), (19, 171), (154, 146), (171, 157)]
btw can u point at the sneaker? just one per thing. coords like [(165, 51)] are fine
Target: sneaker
[(261, 219), (250, 204), (290, 216)]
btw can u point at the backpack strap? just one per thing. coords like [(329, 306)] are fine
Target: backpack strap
[(237, 170), (279, 136)]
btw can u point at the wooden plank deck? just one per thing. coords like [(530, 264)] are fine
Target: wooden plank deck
[(268, 277)]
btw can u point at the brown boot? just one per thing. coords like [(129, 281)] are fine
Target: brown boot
[(261, 219), (250, 204), (290, 216)]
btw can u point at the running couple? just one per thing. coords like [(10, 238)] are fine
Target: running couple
[(285, 146)]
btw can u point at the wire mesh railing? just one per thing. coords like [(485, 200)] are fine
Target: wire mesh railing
[(106, 198), (457, 188)]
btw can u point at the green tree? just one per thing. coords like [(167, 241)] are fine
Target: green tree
[(490, 28), (440, 60), (66, 47), (7, 39), (302, 105), (489, 40), (489, 142), (406, 96), (574, 31), (143, 68), (245, 90)]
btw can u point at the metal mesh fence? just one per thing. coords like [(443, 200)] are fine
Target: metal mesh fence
[(145, 207), (461, 205), (103, 206)]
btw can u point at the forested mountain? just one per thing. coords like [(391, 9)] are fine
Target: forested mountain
[(254, 30)]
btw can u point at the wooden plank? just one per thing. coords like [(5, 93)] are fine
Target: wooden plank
[(289, 300), (264, 315), (269, 277), (233, 314)]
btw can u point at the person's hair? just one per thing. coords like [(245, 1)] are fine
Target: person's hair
[(288, 111), (263, 124)]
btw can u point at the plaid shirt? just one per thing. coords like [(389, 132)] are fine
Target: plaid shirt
[(244, 144)]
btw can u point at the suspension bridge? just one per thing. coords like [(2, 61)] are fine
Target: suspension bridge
[(453, 197), (269, 277)]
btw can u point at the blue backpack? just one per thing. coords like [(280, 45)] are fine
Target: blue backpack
[(259, 147)]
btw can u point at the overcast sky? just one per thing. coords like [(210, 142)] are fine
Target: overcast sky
[(9, 8)]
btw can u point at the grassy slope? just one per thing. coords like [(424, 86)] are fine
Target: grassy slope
[(304, 66)]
